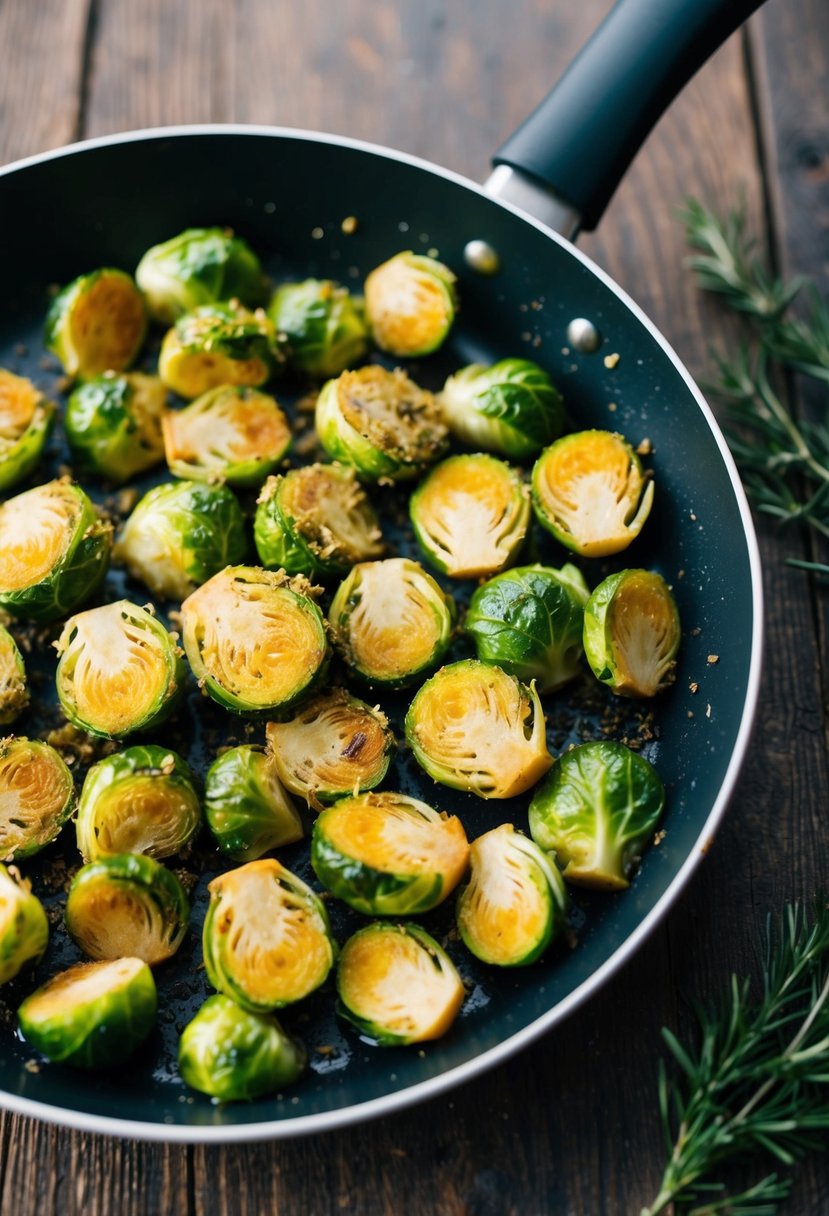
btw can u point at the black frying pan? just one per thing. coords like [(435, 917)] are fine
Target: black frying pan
[(106, 201)]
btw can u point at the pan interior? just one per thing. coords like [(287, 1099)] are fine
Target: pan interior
[(289, 198)]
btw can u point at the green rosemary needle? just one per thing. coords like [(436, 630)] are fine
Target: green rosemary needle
[(784, 460), (757, 1081)]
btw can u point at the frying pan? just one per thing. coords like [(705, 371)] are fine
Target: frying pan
[(522, 288)]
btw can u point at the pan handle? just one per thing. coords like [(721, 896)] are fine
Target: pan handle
[(565, 161)]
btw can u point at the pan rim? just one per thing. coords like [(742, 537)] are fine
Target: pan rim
[(360, 1112)]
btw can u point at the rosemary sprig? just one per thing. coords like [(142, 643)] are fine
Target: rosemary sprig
[(757, 1082), (784, 460)]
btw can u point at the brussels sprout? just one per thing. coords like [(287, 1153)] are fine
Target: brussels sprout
[(529, 621), (37, 796), (391, 621), (596, 811), (199, 266), (632, 632), (515, 902), (324, 325), (24, 929), (255, 639), (113, 424), (218, 344), (590, 491), (410, 304), (14, 694), (25, 422), (511, 407), (141, 800), (54, 551), (119, 670), (232, 1054), (232, 433), (388, 854), (267, 941), (334, 745), (181, 534), (396, 985), (380, 422), (97, 323), (127, 905), (317, 521), (470, 515), (476, 728), (246, 808), (92, 1016)]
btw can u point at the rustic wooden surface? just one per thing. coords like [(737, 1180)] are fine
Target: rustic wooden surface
[(570, 1126)]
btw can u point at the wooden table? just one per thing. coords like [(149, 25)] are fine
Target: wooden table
[(570, 1126)]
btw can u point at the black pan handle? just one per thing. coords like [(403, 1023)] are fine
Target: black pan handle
[(581, 139)]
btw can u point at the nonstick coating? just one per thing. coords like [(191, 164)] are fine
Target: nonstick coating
[(105, 203)]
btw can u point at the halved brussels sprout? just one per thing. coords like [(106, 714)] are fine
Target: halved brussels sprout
[(515, 902), (97, 323), (380, 422), (113, 424), (316, 520), (25, 422), (180, 534), (232, 1054), (529, 621), (255, 639), (597, 811), (334, 745), (54, 551), (218, 344), (24, 929), (37, 796), (127, 905), (324, 325), (391, 621), (410, 304), (232, 433), (397, 986), (590, 491), (14, 694), (119, 670), (92, 1016), (474, 727), (632, 632), (199, 266), (388, 854), (267, 940), (511, 407), (247, 810), (470, 515), (141, 800)]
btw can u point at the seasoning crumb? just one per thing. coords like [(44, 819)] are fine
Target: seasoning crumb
[(612, 406), (610, 361), (349, 225), (317, 233), (712, 659), (325, 1050), (693, 688), (690, 713), (659, 837), (645, 447), (32, 1066), (708, 710)]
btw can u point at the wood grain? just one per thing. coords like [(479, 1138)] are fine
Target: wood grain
[(571, 1125), (43, 77)]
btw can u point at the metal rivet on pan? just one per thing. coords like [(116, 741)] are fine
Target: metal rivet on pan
[(482, 257), (583, 336)]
